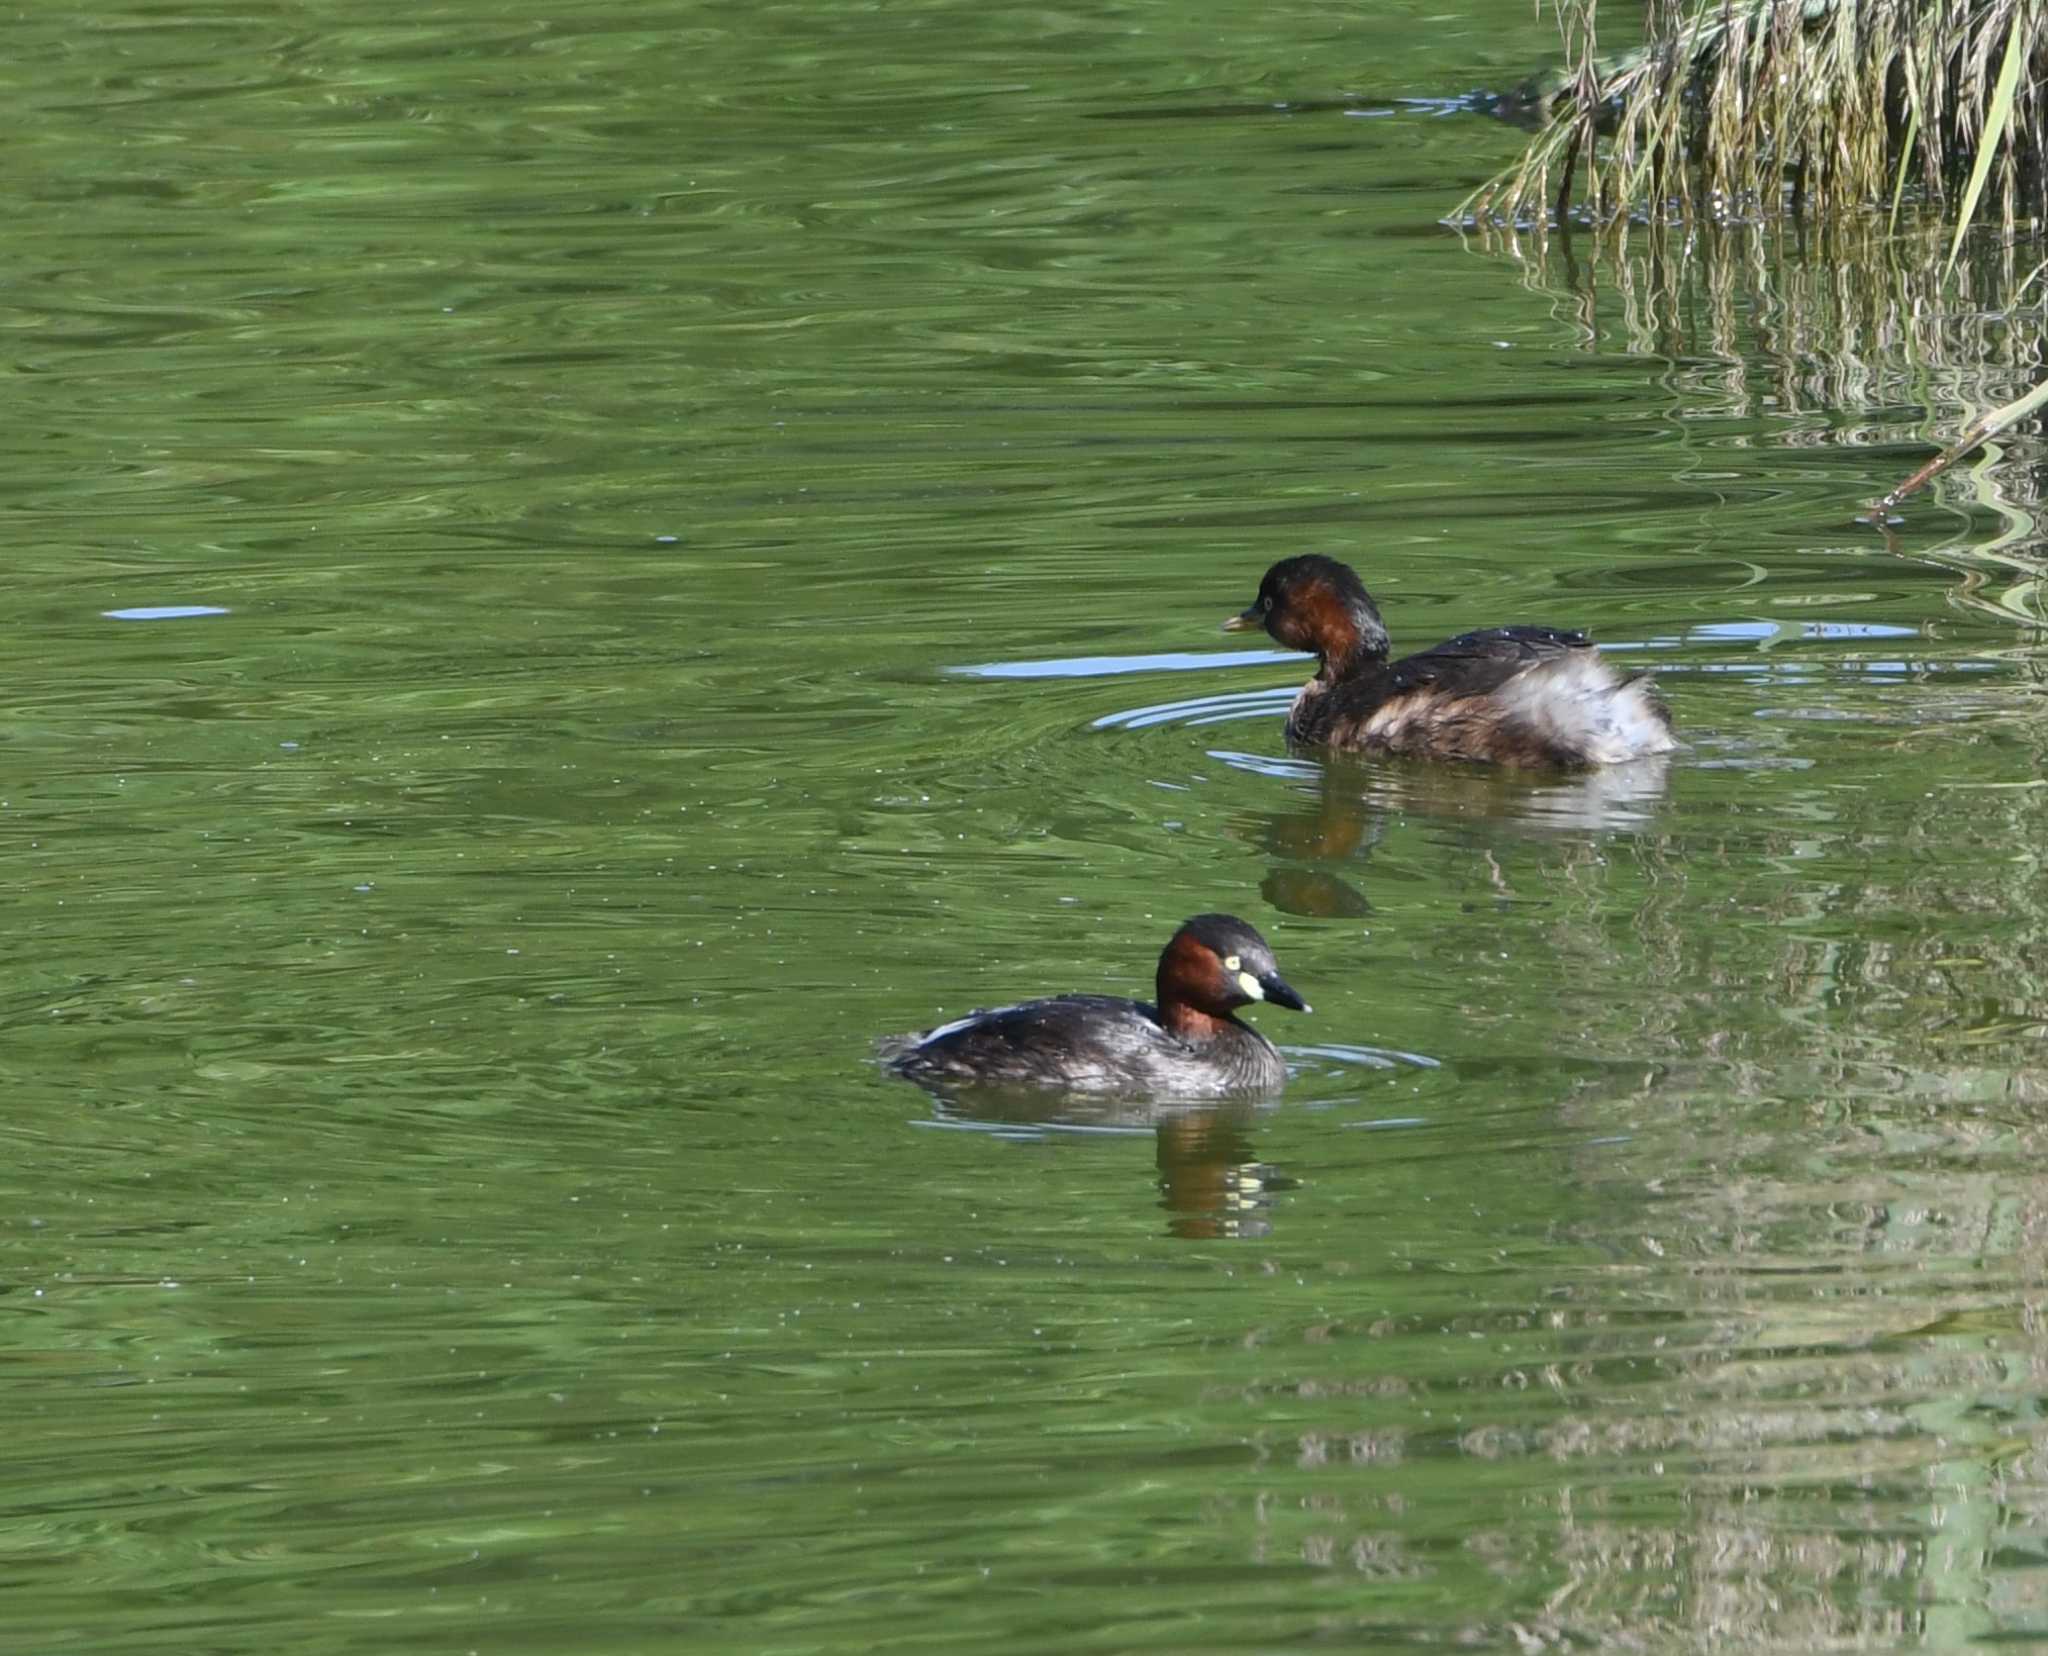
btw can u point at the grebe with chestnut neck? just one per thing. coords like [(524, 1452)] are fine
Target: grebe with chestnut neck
[(1186, 1044), (1524, 696)]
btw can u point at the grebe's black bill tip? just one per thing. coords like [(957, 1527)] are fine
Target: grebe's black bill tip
[(1281, 993)]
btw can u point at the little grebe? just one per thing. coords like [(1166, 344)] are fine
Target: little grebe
[(1502, 695), (1186, 1046)]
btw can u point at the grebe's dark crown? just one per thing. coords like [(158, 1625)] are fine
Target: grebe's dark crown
[(1225, 934), (1313, 566)]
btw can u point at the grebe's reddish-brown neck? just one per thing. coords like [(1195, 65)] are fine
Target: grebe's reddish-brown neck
[(1320, 620), (1187, 978)]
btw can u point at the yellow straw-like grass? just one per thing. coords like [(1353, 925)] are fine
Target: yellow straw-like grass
[(1739, 109)]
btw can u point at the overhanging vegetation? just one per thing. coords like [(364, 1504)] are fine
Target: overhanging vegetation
[(1740, 110)]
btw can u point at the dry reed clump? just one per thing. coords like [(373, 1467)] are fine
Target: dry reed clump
[(1742, 108)]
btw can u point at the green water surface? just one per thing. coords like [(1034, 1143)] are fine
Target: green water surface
[(712, 521)]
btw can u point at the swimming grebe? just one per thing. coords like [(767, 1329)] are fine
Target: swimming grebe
[(1186, 1046), (1502, 695)]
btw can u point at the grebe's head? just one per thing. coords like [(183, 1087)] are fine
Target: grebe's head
[(1316, 604), (1215, 964)]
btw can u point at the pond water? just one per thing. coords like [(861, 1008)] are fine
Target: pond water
[(567, 573)]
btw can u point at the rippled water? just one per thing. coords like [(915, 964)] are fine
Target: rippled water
[(569, 572)]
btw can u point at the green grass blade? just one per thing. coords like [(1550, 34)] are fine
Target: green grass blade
[(1996, 118), (1905, 157)]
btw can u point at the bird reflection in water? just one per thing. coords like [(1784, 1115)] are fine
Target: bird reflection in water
[(1355, 801), (1211, 1183)]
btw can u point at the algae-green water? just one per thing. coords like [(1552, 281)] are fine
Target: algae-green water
[(567, 571)]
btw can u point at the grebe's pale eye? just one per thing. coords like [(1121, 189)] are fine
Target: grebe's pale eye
[(1232, 962)]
